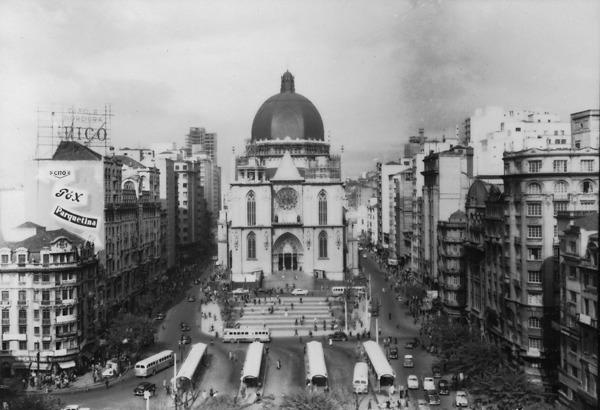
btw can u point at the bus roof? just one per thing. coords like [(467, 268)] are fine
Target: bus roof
[(378, 360), (152, 358), (316, 359), (188, 368), (253, 361), (361, 370)]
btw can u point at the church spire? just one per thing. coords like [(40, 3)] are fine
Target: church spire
[(287, 82)]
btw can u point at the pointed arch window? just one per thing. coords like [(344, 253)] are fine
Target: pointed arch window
[(323, 244), (251, 245), (251, 208), (322, 208)]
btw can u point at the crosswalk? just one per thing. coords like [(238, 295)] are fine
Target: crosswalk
[(287, 316)]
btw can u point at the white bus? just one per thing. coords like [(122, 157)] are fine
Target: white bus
[(378, 362), (191, 369), (360, 380), (316, 370), (261, 334), (154, 363), (339, 290)]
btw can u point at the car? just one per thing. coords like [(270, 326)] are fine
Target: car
[(184, 327), (299, 292), (422, 405), (191, 298), (432, 397), (143, 387), (444, 387), (160, 316), (412, 382), (393, 352), (185, 339), (110, 372), (240, 291), (428, 383), (412, 344), (460, 400), (338, 336), (408, 361), (437, 372)]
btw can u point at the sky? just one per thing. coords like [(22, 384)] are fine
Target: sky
[(377, 71)]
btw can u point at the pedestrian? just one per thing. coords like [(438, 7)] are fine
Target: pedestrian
[(369, 407), (106, 383), (278, 364)]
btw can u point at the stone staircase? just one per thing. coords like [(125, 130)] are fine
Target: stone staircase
[(282, 321)]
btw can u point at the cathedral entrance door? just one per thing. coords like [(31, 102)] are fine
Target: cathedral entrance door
[(287, 254), (288, 261)]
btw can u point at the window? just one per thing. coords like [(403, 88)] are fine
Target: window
[(534, 231), (587, 165), (572, 246), (534, 323), (251, 244), (322, 208), (559, 165), (587, 187), (5, 295), (534, 299), (535, 166), (560, 206), (535, 343), (534, 276), (534, 254), (534, 209), (561, 187), (323, 245), (534, 188), (251, 208), (4, 258)]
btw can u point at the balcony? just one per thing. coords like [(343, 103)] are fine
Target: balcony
[(69, 301), (21, 302), (5, 303), (63, 335), (66, 319), (46, 322), (45, 302)]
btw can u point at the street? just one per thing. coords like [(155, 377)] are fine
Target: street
[(223, 374)]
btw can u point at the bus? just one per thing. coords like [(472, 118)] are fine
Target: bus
[(190, 371), (339, 290), (360, 380), (153, 364), (316, 370), (261, 334), (251, 371), (377, 361)]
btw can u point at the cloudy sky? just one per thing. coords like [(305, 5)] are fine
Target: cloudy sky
[(376, 70)]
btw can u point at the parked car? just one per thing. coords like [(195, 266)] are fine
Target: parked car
[(338, 336), (444, 387), (393, 352), (460, 400), (408, 361), (160, 316), (299, 292), (144, 387), (412, 382), (422, 405), (437, 372), (432, 397), (185, 339), (191, 298), (240, 291), (428, 383)]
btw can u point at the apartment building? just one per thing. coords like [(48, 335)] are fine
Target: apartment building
[(452, 276)]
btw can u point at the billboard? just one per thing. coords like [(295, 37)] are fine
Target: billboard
[(68, 194)]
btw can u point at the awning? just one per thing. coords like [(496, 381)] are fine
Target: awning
[(43, 367), (67, 365), (20, 365)]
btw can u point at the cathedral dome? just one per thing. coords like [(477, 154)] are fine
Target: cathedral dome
[(287, 114)]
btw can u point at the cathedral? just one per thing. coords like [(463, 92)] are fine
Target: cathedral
[(284, 209)]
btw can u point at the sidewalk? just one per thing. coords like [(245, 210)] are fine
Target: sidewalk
[(84, 383)]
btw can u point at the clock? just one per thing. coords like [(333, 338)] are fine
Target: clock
[(287, 198)]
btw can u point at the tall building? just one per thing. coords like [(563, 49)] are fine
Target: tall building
[(447, 177), (44, 278), (578, 323), (208, 141), (284, 206), (385, 197), (451, 265), (585, 128)]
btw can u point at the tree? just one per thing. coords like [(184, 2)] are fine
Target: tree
[(305, 400), (34, 402), (127, 333), (504, 385)]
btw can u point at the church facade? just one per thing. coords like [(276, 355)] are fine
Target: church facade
[(284, 209)]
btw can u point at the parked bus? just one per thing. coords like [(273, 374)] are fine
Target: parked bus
[(189, 372), (247, 335), (154, 364), (378, 362), (360, 380), (339, 290), (252, 366), (316, 370)]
